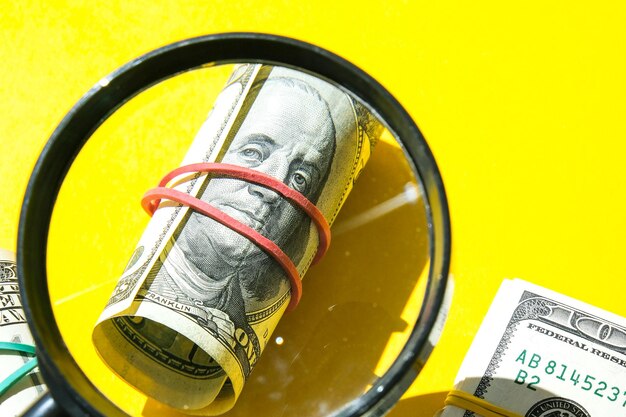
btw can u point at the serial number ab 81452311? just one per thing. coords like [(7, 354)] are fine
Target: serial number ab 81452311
[(534, 369)]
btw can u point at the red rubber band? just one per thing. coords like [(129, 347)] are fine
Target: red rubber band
[(250, 175), (158, 193)]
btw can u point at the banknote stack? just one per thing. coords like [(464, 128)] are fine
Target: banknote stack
[(542, 354), (17, 391), (198, 301)]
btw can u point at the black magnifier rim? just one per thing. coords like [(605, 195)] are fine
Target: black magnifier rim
[(56, 363)]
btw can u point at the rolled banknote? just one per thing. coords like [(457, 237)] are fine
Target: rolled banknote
[(19, 387), (542, 354), (198, 302)]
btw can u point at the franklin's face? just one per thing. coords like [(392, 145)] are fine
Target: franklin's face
[(288, 135)]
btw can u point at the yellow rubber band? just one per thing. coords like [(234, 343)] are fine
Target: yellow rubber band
[(469, 402)]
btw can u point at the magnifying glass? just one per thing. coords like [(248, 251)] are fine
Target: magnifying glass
[(371, 310)]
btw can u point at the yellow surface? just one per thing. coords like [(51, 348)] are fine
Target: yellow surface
[(522, 105)]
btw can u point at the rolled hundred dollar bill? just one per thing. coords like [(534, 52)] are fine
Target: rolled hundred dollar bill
[(542, 354), (20, 392), (198, 302)]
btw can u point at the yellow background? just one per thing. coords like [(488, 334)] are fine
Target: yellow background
[(522, 105)]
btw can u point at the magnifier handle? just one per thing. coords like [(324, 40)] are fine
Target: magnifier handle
[(45, 406)]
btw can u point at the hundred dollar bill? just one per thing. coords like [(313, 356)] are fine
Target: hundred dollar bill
[(542, 354), (14, 329), (198, 302)]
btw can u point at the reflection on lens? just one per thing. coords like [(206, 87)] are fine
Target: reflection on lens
[(189, 321)]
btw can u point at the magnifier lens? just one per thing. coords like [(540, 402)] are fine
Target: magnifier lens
[(372, 307), (359, 303)]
